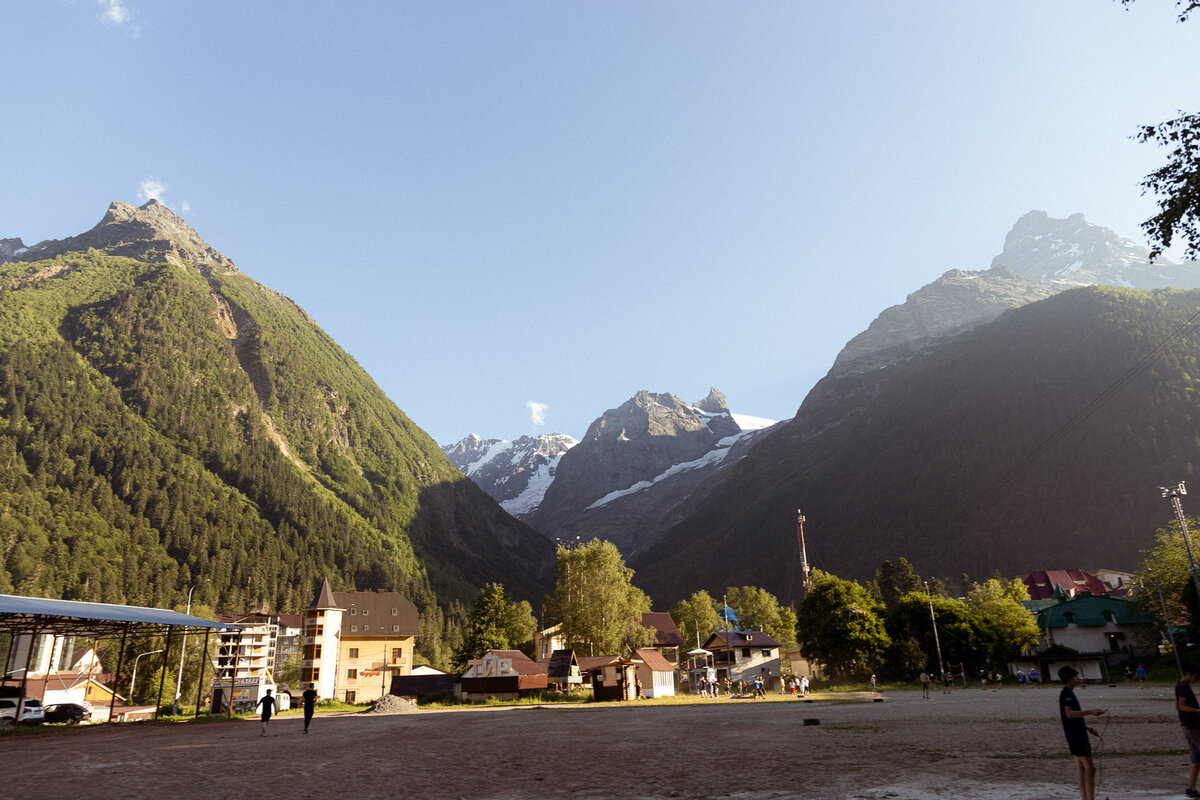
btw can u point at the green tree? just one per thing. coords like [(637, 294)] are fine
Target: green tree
[(595, 600), (893, 582), (759, 610), (696, 618), (495, 623), (963, 637), (1164, 568), (997, 601), (840, 624)]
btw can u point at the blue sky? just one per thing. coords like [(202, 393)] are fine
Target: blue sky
[(493, 204)]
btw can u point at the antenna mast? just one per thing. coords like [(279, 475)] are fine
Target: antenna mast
[(804, 568)]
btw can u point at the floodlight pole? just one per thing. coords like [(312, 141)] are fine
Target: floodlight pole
[(1173, 494), (936, 643), (1167, 622), (183, 644)]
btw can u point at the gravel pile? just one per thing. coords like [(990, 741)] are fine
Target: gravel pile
[(391, 704)]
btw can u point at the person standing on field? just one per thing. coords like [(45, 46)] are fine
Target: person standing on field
[(1077, 731), (310, 700), (1189, 718)]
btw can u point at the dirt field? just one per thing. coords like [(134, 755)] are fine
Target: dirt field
[(971, 744)]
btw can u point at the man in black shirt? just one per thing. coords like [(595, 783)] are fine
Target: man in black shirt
[(310, 698), (1077, 732), (1189, 718)]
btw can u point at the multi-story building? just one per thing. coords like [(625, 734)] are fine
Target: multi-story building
[(354, 642)]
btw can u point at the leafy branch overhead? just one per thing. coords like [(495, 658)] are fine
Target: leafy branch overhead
[(1177, 183)]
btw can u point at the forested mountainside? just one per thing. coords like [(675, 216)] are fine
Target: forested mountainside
[(166, 419), (961, 460)]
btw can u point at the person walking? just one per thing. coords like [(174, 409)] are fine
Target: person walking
[(925, 681), (1141, 676), (268, 708), (1076, 731), (1189, 718), (310, 701)]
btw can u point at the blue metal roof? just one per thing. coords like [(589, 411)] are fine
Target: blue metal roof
[(22, 614)]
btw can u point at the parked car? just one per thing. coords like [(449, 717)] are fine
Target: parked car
[(70, 713), (32, 712)]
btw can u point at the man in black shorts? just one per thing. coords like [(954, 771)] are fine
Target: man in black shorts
[(310, 699), (1077, 732), (1189, 718)]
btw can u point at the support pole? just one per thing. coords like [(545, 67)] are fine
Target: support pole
[(200, 680), (112, 703), (1173, 494), (162, 672)]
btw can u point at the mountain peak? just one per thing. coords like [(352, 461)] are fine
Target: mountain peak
[(714, 403), (149, 232), (1075, 252)]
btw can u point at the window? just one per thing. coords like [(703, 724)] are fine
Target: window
[(354, 629), (766, 652), (397, 654), (353, 653), (364, 612), (320, 613), (312, 652), (316, 630), (350, 696), (353, 611), (745, 652), (394, 612), (351, 674), (395, 629)]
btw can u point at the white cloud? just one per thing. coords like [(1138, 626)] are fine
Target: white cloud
[(114, 11), (151, 189), (185, 207), (537, 413)]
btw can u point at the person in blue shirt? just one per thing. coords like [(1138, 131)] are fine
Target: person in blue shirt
[(1077, 731)]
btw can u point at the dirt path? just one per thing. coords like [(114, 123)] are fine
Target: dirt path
[(971, 744)]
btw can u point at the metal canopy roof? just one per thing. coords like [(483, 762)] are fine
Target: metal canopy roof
[(27, 615)]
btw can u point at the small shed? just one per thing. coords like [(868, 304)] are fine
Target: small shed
[(562, 671), (654, 673)]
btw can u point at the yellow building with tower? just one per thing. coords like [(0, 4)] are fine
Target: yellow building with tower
[(355, 642)]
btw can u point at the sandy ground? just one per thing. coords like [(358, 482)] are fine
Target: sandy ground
[(971, 744)]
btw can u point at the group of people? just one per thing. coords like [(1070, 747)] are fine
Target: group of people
[(267, 704), (799, 686), (1077, 730)]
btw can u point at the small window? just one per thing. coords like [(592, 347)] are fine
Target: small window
[(320, 613), (351, 696), (364, 612), (766, 652), (353, 611), (354, 629), (316, 673), (394, 612), (745, 652), (351, 674), (397, 654), (353, 653), (395, 628)]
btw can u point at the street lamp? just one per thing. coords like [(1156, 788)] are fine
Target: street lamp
[(134, 677), (183, 645)]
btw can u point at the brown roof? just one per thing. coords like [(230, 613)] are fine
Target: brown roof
[(742, 639), (654, 660), (589, 663), (379, 613), (325, 596), (666, 632), (1041, 584)]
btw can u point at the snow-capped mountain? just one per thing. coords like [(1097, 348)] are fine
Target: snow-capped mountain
[(517, 473), (639, 464), (1042, 256)]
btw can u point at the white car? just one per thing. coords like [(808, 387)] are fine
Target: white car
[(31, 710)]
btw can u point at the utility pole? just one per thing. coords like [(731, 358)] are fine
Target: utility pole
[(936, 643), (1167, 622), (1173, 494)]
